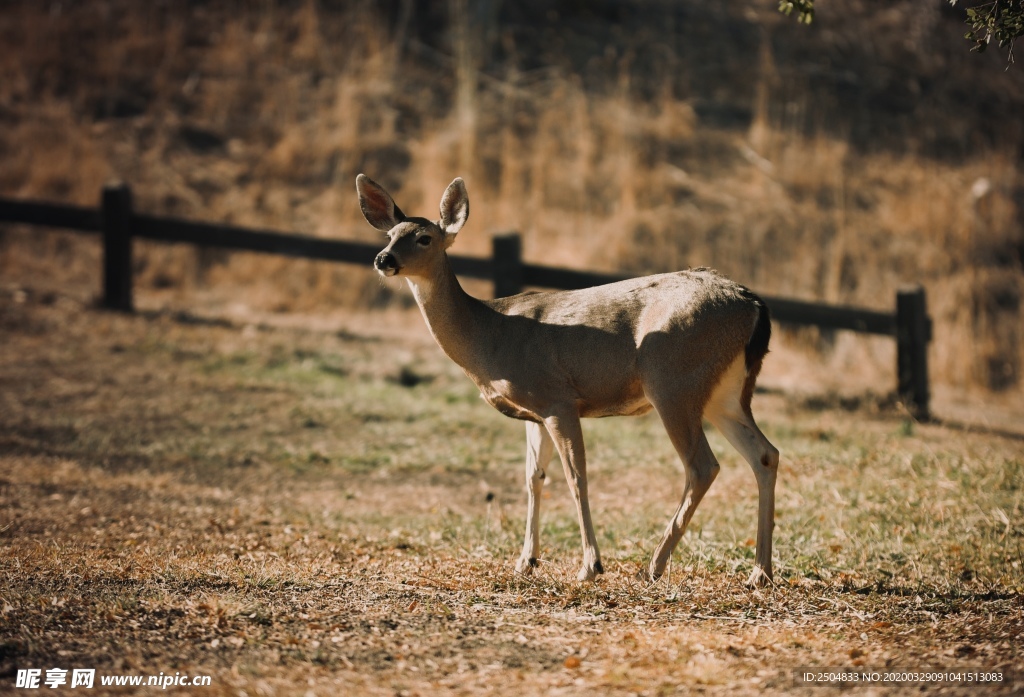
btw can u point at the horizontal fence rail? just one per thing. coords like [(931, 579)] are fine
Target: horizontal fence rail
[(51, 214), (854, 319), (210, 235), (119, 225)]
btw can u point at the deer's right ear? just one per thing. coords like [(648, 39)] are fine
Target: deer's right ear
[(378, 208)]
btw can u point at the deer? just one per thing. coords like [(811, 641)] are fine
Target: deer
[(688, 344)]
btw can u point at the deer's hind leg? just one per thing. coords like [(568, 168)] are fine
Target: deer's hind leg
[(685, 431), (539, 449), (729, 412)]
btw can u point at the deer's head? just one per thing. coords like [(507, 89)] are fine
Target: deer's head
[(416, 244)]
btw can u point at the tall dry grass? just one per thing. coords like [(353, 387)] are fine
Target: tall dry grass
[(263, 115)]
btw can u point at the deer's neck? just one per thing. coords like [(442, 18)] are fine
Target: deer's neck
[(461, 325)]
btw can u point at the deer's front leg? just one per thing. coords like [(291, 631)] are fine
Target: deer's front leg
[(539, 449), (564, 428)]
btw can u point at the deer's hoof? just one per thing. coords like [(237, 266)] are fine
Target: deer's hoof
[(526, 565), (646, 576), (590, 571), (760, 577)]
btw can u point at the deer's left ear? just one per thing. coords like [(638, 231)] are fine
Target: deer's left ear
[(454, 209)]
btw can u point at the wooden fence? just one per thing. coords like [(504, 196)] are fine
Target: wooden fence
[(119, 224)]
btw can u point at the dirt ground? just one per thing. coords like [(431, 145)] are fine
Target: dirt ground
[(312, 509)]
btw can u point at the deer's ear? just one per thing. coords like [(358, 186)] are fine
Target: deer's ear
[(454, 208), (378, 208)]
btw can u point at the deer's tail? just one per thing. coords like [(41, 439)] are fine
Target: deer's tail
[(756, 348)]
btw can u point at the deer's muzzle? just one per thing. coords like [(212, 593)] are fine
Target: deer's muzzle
[(386, 264)]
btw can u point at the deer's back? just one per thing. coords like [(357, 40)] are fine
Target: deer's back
[(638, 306)]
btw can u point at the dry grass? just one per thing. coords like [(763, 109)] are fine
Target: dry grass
[(601, 158), (297, 510)]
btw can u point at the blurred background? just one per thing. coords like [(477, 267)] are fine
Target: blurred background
[(834, 162)]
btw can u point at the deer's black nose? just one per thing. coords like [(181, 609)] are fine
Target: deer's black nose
[(384, 261)]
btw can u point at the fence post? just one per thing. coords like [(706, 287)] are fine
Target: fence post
[(913, 332), (507, 258), (116, 214)]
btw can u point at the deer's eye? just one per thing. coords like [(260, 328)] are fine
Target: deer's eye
[(423, 241)]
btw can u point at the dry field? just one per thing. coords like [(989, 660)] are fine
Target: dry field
[(316, 508)]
